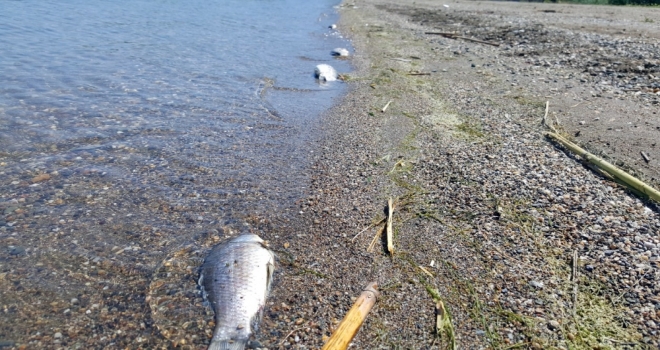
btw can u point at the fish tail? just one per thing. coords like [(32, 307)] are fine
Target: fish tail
[(228, 344)]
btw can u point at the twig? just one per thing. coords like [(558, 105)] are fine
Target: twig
[(443, 324), (387, 105), (452, 35), (579, 103), (400, 59), (375, 239), (545, 117), (368, 227), (574, 280), (290, 333), (479, 41), (645, 156), (425, 271), (390, 242), (419, 73), (446, 34)]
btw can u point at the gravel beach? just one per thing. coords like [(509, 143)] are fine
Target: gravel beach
[(525, 246), (489, 214)]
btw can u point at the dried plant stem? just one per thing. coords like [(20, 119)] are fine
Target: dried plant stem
[(390, 239)]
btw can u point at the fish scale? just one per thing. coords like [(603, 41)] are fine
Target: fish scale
[(236, 278)]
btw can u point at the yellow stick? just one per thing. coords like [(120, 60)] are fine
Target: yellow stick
[(349, 326), (613, 170)]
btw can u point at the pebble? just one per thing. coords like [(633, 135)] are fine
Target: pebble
[(536, 284), (553, 325)]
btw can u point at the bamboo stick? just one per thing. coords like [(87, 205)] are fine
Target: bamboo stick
[(349, 326), (628, 179), (390, 241)]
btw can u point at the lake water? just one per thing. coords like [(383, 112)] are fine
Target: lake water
[(131, 129)]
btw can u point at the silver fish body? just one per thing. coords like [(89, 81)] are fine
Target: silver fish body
[(236, 278)]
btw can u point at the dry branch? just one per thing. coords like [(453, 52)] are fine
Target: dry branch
[(626, 178)]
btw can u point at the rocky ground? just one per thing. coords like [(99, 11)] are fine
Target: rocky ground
[(489, 214)]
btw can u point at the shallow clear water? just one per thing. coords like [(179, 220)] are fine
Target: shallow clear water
[(155, 122)]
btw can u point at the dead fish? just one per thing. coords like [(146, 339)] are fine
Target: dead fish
[(325, 72), (236, 278), (339, 52)]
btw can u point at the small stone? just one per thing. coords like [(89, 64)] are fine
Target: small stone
[(589, 268), (553, 325), (57, 335), (74, 301), (286, 245), (536, 284), (16, 250), (40, 178)]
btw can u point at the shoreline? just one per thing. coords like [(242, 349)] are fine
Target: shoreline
[(491, 211)]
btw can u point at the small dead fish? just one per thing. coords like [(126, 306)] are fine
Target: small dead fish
[(236, 278), (325, 72)]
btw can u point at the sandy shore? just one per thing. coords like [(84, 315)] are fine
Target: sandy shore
[(489, 214)]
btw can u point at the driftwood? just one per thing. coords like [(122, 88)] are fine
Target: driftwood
[(619, 174), (451, 35), (349, 326)]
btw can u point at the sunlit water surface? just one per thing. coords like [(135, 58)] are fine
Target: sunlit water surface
[(130, 129)]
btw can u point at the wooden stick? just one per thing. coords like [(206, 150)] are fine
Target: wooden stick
[(349, 326), (419, 73), (390, 242), (645, 156), (387, 105), (628, 179)]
